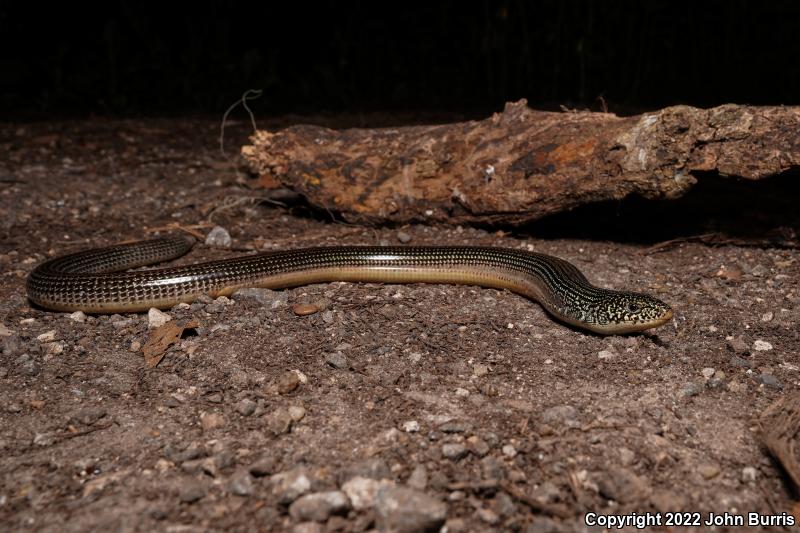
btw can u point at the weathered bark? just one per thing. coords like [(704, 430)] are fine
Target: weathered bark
[(521, 164)]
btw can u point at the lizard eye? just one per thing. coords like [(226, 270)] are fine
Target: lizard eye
[(633, 308)]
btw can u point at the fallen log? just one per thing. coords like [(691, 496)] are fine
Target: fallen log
[(521, 164)]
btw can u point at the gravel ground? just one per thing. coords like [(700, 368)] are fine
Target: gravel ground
[(344, 407)]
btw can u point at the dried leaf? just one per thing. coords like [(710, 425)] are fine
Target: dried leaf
[(162, 338)]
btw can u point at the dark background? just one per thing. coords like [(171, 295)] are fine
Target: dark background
[(134, 58)]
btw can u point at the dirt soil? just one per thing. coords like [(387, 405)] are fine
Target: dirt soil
[(455, 405)]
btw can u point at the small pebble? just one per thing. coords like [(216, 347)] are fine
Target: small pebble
[(488, 516), (211, 421), (738, 345), (319, 506), (287, 382), (492, 468), (297, 412), (762, 346), (278, 421), (218, 236), (410, 426), (192, 493), (77, 316), (215, 307), (4, 331), (708, 471), (418, 478), (28, 365), (48, 336), (193, 451), (509, 451), (375, 468), (289, 485), (89, 415), (623, 485), (264, 466), (44, 439), (156, 318), (707, 372), (122, 323), (362, 491), (337, 360), (454, 426), (55, 348), (477, 446), (10, 346), (480, 370), (546, 492), (403, 509), (767, 317), (241, 483), (456, 496), (461, 392), (266, 297), (246, 407), (454, 450), (768, 380), (740, 362), (749, 474), (503, 505), (225, 458), (691, 389), (559, 414), (403, 237)]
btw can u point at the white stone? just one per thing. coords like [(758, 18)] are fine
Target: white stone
[(411, 426), (509, 451), (48, 336), (78, 316), (218, 236), (749, 474), (362, 491), (297, 412), (55, 348), (762, 346), (156, 318)]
